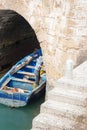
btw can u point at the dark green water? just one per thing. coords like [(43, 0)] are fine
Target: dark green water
[(19, 118)]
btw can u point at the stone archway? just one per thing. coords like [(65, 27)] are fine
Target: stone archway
[(17, 38), (60, 26)]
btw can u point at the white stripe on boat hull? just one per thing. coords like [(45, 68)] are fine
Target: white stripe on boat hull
[(12, 103)]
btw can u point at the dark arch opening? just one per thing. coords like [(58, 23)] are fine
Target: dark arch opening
[(17, 38)]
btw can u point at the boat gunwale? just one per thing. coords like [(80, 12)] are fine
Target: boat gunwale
[(5, 80)]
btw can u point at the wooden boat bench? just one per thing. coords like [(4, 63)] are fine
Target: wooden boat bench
[(23, 80), (26, 73), (30, 67)]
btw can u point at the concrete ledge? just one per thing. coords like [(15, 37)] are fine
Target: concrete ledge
[(68, 96), (72, 84), (50, 122), (62, 109)]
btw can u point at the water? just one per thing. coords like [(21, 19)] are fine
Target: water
[(19, 118)]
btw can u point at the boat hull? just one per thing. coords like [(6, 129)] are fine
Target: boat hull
[(12, 103), (16, 86), (20, 100)]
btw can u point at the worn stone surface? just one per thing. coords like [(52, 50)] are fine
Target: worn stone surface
[(60, 27), (66, 106)]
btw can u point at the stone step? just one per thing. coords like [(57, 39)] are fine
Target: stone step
[(69, 96), (49, 122), (72, 85), (60, 109)]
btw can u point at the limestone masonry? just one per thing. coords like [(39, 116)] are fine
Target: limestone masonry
[(61, 28), (66, 107)]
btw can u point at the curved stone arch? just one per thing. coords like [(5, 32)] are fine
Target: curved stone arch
[(60, 27), (16, 37), (22, 7)]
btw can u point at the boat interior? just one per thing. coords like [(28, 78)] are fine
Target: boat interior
[(21, 77)]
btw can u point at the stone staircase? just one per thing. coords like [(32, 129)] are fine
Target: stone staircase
[(66, 107)]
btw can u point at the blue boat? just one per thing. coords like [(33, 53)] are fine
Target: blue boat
[(16, 86)]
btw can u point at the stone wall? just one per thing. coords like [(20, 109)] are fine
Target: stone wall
[(61, 27)]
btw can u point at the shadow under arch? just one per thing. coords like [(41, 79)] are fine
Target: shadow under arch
[(17, 38)]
